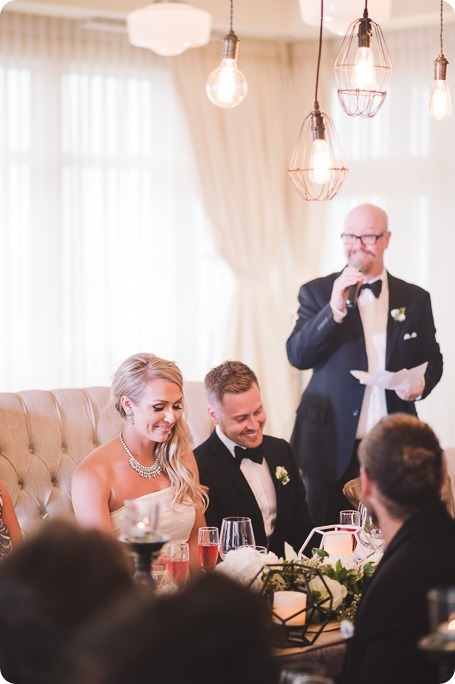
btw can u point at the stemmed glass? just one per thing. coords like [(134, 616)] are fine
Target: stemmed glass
[(376, 539), (178, 562), (235, 532), (208, 541)]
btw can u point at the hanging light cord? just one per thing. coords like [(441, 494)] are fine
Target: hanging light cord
[(441, 28), (232, 16), (316, 103)]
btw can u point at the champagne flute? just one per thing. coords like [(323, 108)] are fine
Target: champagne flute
[(208, 541), (235, 531), (178, 562)]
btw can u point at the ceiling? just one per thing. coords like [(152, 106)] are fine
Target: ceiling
[(272, 19)]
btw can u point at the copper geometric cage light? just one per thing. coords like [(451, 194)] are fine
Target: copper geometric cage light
[(317, 166), (363, 68)]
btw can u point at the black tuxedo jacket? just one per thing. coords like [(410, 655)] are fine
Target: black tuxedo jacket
[(328, 414), (393, 612), (231, 495)]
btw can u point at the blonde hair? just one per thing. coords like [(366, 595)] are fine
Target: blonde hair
[(131, 379)]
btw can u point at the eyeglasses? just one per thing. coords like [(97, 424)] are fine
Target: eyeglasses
[(350, 239)]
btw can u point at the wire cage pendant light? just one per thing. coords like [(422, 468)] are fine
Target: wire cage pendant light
[(363, 68), (317, 168), (440, 105)]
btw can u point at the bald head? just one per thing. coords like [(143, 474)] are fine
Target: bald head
[(367, 215)]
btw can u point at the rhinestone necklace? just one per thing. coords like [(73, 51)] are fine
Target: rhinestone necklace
[(144, 471)]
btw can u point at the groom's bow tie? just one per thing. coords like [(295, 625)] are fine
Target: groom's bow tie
[(256, 454), (375, 287)]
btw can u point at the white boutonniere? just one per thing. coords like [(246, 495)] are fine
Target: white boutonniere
[(282, 475), (399, 314)]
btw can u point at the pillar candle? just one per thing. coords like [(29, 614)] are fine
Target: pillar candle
[(287, 603), (338, 543)]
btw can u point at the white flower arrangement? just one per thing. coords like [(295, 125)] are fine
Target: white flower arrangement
[(399, 314), (282, 475), (245, 563)]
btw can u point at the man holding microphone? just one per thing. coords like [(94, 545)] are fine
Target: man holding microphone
[(360, 319)]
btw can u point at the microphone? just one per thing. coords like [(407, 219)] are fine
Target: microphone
[(353, 290)]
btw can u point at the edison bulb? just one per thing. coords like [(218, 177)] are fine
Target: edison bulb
[(364, 74), (226, 86), (320, 162), (440, 106)]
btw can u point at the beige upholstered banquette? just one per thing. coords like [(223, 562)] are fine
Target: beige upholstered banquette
[(44, 435)]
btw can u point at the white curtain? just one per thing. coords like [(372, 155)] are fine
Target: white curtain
[(129, 223), (242, 158), (104, 244)]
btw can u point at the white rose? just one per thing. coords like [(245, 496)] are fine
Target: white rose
[(337, 590), (242, 564), (347, 562)]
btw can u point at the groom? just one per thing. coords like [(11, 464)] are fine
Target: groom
[(247, 473)]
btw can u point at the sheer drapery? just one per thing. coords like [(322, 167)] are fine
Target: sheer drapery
[(104, 243), (242, 158), (106, 236)]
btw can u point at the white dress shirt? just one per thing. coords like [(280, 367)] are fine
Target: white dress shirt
[(260, 481), (373, 312)]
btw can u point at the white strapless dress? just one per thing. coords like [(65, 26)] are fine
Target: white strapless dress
[(177, 522)]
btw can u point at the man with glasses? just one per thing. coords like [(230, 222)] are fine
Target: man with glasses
[(388, 326)]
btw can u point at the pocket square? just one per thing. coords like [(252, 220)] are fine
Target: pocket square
[(410, 336)]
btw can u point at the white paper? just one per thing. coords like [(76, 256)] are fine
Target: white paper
[(404, 379)]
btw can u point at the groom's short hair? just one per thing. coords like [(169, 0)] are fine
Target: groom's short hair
[(230, 377)]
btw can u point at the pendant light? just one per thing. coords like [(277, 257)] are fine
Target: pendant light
[(226, 86), (363, 68), (168, 28), (317, 166), (440, 106)]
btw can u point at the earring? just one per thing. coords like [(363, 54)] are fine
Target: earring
[(129, 418)]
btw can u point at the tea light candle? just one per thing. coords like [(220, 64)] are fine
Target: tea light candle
[(447, 629), (287, 603), (140, 529), (338, 543)]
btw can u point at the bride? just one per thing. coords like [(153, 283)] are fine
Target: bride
[(151, 458)]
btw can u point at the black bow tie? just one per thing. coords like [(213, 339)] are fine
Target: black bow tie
[(375, 287), (256, 454)]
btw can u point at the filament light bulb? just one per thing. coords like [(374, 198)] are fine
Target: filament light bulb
[(320, 162), (440, 105), (226, 86), (364, 73)]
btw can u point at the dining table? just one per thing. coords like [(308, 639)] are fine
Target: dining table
[(327, 651)]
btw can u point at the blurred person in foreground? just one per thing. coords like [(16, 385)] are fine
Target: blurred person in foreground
[(214, 630), (51, 586), (151, 459), (248, 473), (389, 327), (401, 471)]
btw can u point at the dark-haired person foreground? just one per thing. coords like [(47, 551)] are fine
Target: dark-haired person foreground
[(214, 630), (401, 471), (50, 587), (269, 490)]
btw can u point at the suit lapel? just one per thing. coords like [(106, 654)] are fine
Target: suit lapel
[(394, 328), (232, 471)]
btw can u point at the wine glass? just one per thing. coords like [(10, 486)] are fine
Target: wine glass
[(235, 532), (376, 538), (208, 541), (350, 519), (178, 562)]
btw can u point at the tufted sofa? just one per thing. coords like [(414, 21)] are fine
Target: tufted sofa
[(44, 435)]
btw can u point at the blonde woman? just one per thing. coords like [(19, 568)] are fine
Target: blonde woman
[(151, 457)]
